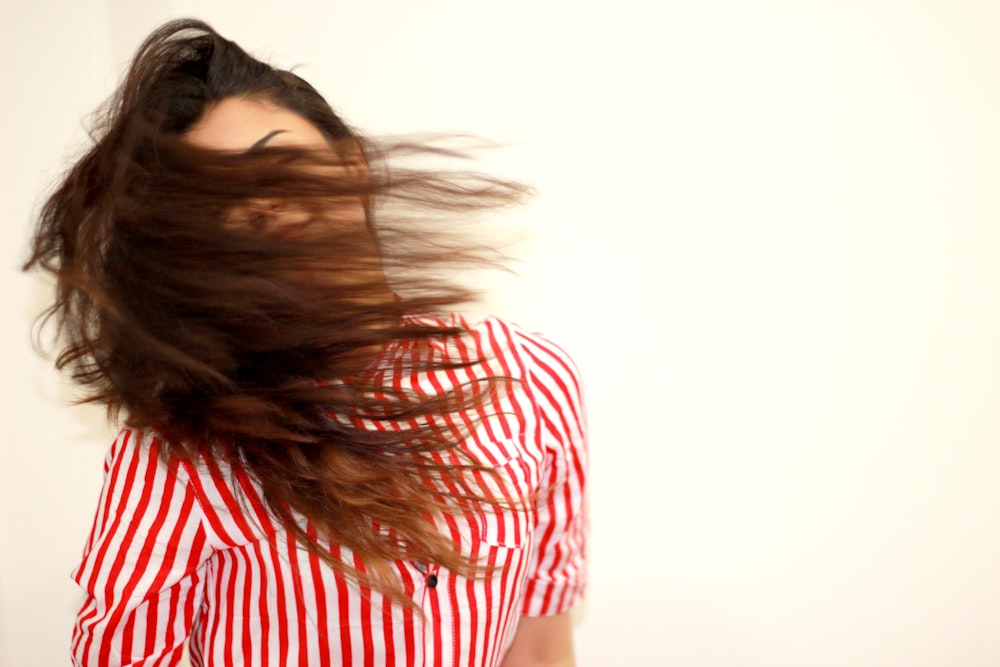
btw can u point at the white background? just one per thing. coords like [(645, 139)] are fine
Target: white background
[(767, 231)]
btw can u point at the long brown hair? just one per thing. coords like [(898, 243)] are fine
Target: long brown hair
[(261, 347)]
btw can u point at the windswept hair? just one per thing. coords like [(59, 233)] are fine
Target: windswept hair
[(187, 303)]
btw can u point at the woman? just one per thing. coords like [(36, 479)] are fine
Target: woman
[(314, 469)]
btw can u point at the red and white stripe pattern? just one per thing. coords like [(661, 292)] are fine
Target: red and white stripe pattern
[(183, 553)]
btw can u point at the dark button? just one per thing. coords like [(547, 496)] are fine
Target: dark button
[(432, 581)]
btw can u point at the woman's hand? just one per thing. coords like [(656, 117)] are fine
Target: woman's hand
[(542, 641)]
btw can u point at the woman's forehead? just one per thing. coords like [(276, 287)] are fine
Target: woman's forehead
[(240, 123)]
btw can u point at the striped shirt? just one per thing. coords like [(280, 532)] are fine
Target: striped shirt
[(182, 553)]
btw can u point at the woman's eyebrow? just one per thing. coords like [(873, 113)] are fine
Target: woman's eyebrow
[(267, 137)]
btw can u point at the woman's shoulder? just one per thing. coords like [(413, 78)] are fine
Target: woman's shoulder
[(141, 479), (537, 354), (136, 445), (142, 464), (142, 458), (499, 338)]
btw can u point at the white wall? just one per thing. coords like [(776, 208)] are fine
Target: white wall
[(55, 64), (768, 233)]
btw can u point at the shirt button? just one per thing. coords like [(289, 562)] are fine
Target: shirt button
[(432, 581)]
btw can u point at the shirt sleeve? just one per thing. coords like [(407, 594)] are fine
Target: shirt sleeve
[(557, 575), (142, 571)]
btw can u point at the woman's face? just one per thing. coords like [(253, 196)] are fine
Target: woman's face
[(240, 124)]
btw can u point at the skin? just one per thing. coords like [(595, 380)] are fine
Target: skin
[(240, 124), (542, 641)]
